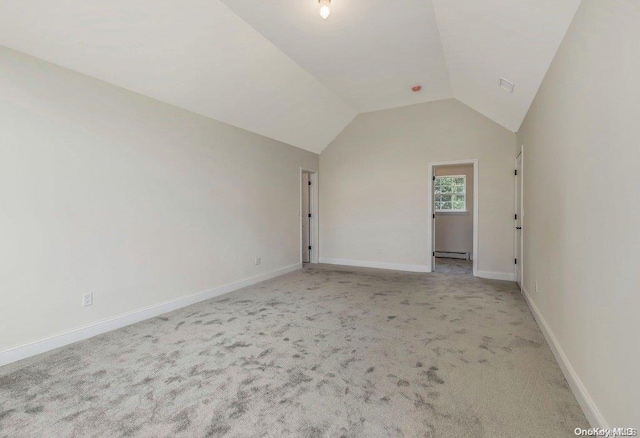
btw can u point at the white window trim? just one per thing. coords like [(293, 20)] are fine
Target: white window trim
[(465, 209)]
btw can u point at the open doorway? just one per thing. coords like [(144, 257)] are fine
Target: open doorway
[(453, 193), (308, 216)]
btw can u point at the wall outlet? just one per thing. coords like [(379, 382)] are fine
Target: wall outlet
[(87, 300), (258, 260), (536, 286)]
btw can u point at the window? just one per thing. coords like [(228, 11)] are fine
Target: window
[(451, 193)]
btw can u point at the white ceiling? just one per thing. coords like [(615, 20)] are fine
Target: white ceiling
[(368, 52), (195, 54), (276, 68), (484, 40)]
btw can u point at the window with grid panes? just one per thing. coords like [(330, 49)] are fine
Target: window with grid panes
[(450, 193)]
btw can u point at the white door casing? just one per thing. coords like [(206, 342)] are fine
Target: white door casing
[(311, 224), (518, 219), (306, 220), (431, 208)]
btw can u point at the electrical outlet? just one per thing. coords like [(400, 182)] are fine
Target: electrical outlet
[(87, 300), (536, 286), (258, 260)]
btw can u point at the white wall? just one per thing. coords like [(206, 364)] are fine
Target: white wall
[(106, 191), (581, 198), (373, 188), (454, 231)]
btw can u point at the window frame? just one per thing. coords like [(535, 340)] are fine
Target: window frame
[(435, 196)]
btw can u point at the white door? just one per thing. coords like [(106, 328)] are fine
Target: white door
[(518, 220), (306, 218)]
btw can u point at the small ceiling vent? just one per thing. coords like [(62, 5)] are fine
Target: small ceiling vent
[(506, 85)]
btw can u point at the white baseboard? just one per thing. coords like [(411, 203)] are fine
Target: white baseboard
[(506, 276), (378, 265), (410, 268), (583, 397), (81, 333)]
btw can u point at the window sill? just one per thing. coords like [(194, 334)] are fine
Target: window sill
[(447, 212)]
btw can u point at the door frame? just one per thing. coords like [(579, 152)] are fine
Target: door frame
[(519, 257), (314, 237), (430, 209)]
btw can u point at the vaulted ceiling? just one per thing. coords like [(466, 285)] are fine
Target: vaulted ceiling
[(276, 68)]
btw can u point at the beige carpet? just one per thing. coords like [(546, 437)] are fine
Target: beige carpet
[(325, 351), (453, 266)]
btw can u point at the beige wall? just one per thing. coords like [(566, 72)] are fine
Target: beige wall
[(373, 185), (139, 202), (454, 231), (581, 142)]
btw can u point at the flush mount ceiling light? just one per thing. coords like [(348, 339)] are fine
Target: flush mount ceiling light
[(325, 8)]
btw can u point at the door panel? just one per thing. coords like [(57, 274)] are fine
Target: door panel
[(306, 220), (518, 255)]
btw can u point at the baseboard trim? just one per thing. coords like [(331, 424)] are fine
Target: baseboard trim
[(506, 276), (580, 392), (90, 330), (377, 265)]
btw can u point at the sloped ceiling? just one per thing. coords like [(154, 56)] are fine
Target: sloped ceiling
[(195, 54), (276, 68), (368, 52), (484, 40)]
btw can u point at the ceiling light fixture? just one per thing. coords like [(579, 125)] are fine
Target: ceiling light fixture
[(325, 8)]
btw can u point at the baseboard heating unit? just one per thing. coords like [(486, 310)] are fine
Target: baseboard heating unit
[(453, 255)]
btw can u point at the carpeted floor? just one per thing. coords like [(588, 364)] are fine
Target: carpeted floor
[(325, 351), (454, 266)]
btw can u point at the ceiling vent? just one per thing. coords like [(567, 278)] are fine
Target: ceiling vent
[(506, 85)]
